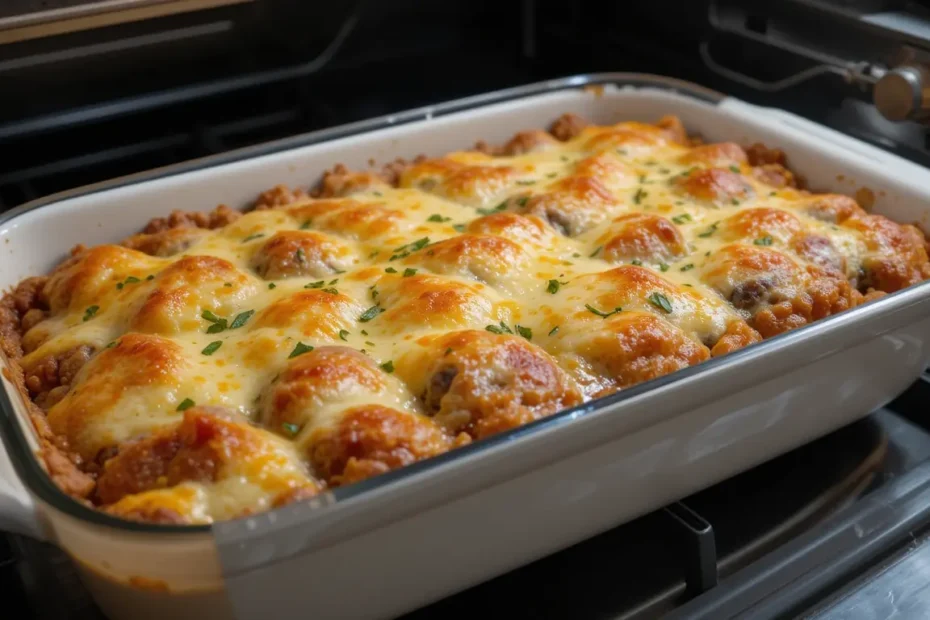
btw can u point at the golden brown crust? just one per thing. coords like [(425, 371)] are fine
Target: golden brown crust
[(389, 315)]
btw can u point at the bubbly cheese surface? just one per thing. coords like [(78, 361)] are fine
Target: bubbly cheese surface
[(221, 371)]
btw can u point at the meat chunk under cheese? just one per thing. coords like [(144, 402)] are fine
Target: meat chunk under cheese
[(222, 363)]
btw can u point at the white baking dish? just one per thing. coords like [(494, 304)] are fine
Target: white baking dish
[(399, 541)]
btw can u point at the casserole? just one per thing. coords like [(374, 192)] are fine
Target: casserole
[(626, 455)]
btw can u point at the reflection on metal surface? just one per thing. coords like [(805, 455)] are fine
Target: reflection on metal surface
[(22, 26)]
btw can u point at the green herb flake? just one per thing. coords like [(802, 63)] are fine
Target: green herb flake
[(459, 227), (636, 262), (186, 404), (272, 285), (552, 175), (90, 312), (735, 201), (253, 237), (331, 291), (227, 284), (150, 277), (663, 267), (521, 201), (553, 287), (710, 230), (388, 366), (639, 195), (306, 225), (370, 314), (554, 330), (300, 349), (496, 209), (364, 333), (773, 193), (735, 169), (687, 267), (217, 327), (601, 314), (241, 319), (766, 240), (111, 344), (526, 332), (209, 316), (290, 429), (681, 219), (661, 302), (596, 251), (299, 255), (435, 217), (448, 351), (317, 284), (333, 281), (342, 335), (370, 344), (378, 194), (390, 270), (494, 329), (409, 271), (526, 182), (211, 348)]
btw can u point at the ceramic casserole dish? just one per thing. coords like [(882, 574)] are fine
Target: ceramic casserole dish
[(392, 543)]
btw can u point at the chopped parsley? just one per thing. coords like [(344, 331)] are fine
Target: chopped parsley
[(129, 280), (448, 351), (500, 328), (317, 284), (735, 169), (766, 240), (227, 284), (333, 281), (661, 302), (554, 330), (496, 209), (331, 291), (306, 225), (300, 349), (186, 404), (526, 182), (111, 344), (90, 312), (526, 332), (390, 270), (364, 333), (681, 219), (370, 314), (522, 200), (663, 267), (553, 287), (687, 267), (253, 237), (435, 217), (342, 334), (217, 327), (636, 261), (211, 348), (639, 195), (735, 201), (595, 252), (601, 314), (406, 250), (552, 175), (388, 366), (292, 429), (272, 285), (150, 277), (710, 230), (241, 319), (299, 255), (459, 227), (409, 271)]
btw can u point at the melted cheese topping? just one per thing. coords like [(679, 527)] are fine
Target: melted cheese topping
[(347, 335)]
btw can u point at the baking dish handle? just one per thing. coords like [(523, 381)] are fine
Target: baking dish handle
[(17, 509)]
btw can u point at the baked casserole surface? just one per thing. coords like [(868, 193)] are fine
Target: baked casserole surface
[(219, 364)]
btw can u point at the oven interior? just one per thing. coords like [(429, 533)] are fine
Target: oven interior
[(103, 92)]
